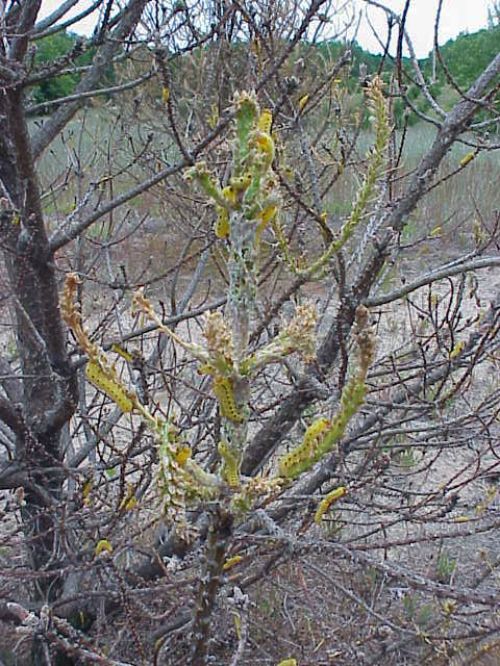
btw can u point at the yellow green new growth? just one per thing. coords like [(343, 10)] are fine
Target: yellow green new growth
[(252, 188), (376, 166)]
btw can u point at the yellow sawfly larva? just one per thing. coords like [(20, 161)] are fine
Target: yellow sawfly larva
[(223, 391), (265, 145), (122, 352), (457, 350), (182, 454), (314, 433), (265, 121), (332, 497), (241, 183), (467, 158), (98, 378), (103, 546), (267, 214), (222, 226), (232, 562), (292, 464), (230, 194), (230, 466), (302, 102)]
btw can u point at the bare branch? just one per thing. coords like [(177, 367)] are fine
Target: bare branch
[(47, 26), (433, 276), (10, 416)]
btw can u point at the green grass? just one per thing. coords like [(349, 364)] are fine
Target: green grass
[(97, 147)]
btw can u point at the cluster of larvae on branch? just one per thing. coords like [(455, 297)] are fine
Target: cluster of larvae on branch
[(180, 479), (252, 188), (252, 194)]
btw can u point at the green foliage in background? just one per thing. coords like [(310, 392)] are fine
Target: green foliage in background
[(467, 56), (49, 51)]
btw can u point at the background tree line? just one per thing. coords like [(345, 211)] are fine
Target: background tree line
[(463, 58)]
